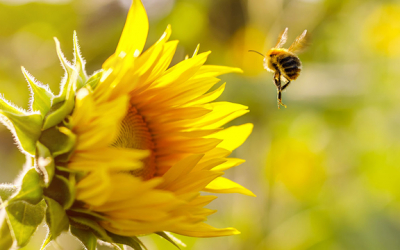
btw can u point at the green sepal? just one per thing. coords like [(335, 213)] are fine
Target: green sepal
[(6, 239), (44, 163), (87, 237), (42, 97), (86, 223), (26, 127), (82, 212), (48, 239), (60, 110), (133, 242), (63, 104), (70, 73), (24, 219), (119, 246), (31, 190), (59, 140), (94, 79), (56, 218), (6, 191), (62, 190), (79, 63), (169, 237)]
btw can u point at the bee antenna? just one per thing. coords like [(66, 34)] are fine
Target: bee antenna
[(256, 52)]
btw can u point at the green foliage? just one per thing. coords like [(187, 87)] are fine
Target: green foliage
[(61, 107), (44, 163), (6, 239), (83, 212), (59, 140), (79, 63), (169, 237), (56, 218), (62, 190), (25, 126), (95, 79), (6, 191), (87, 237), (31, 190), (41, 95), (133, 242), (89, 224), (24, 219)]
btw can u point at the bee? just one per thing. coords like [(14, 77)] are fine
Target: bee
[(284, 62)]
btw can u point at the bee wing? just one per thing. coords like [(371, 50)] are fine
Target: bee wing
[(300, 43), (282, 39)]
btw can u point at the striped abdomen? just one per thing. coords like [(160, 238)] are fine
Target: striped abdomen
[(290, 66)]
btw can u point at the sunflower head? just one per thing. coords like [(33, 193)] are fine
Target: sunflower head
[(128, 151)]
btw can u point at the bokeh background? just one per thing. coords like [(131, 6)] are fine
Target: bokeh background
[(326, 170)]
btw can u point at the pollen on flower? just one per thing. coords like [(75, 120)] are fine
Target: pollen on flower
[(134, 133)]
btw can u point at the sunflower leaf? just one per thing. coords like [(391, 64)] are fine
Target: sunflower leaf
[(59, 140), (87, 237), (169, 237), (44, 163), (31, 191), (24, 219), (62, 190), (83, 222), (26, 127), (42, 97), (56, 218), (133, 242)]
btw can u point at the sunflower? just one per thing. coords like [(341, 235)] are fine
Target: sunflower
[(133, 147), (150, 138)]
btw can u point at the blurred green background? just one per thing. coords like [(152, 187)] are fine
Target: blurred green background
[(326, 170)]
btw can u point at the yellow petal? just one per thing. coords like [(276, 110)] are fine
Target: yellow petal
[(229, 163), (233, 136), (164, 61), (182, 168), (94, 188), (224, 185), (209, 97), (182, 71), (205, 230), (134, 35), (215, 70)]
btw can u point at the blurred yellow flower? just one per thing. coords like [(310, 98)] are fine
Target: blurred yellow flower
[(297, 167), (383, 30), (149, 139)]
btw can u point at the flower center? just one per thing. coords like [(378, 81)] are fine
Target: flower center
[(134, 133)]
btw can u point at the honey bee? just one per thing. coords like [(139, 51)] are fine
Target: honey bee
[(284, 62)]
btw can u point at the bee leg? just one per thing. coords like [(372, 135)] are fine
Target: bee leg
[(280, 99), (285, 86), (277, 81), (280, 93)]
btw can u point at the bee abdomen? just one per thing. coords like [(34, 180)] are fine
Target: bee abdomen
[(291, 66), (292, 73)]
